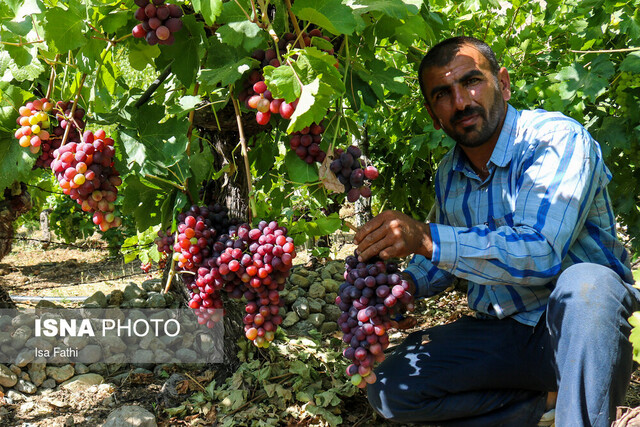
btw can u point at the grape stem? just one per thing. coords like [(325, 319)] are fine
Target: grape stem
[(245, 156), (294, 21), (52, 78), (73, 110), (166, 181), (245, 12), (172, 269)]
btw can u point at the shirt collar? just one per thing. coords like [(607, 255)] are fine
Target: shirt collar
[(501, 155)]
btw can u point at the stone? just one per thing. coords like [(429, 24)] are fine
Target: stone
[(328, 327), (113, 344), (49, 383), (130, 416), (40, 343), (26, 387), (25, 357), (137, 303), (301, 307), (116, 297), (132, 291), (7, 377), (82, 382), (313, 276), (316, 319), (326, 274), (23, 319), (142, 357), (301, 271), (15, 369), (339, 277), (97, 300), (330, 298), (291, 297), (76, 342), (81, 368), (300, 281), (290, 319), (186, 355), (14, 396), (152, 285), (301, 328), (90, 354), (156, 300), (332, 312), (330, 285), (43, 304), (316, 290), (60, 373), (100, 368), (37, 371), (20, 336), (315, 305)]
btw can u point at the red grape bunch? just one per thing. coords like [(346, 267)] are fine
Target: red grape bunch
[(306, 143), (34, 122), (366, 299), (64, 119), (350, 171), (85, 172), (158, 21)]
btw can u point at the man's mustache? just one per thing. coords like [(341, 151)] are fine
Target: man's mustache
[(469, 111)]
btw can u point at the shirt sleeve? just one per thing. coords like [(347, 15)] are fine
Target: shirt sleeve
[(556, 183), (429, 279)]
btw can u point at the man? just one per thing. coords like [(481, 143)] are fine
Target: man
[(523, 215)]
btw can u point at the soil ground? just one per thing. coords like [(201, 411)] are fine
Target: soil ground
[(74, 271)]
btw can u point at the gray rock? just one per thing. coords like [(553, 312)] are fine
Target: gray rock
[(113, 344), (7, 377), (300, 281), (330, 298), (301, 328), (90, 354), (161, 356), (81, 368), (76, 342), (20, 336), (316, 290), (315, 305), (43, 304), (301, 307), (61, 373), (156, 300), (137, 303), (291, 296), (152, 285), (49, 383), (326, 274), (40, 343), (290, 319), (14, 396), (37, 371), (330, 285), (15, 369), (328, 327), (301, 271), (26, 387), (313, 276), (332, 312), (116, 297), (186, 355), (23, 319), (339, 277), (316, 319), (132, 291), (142, 357), (25, 357), (82, 382), (130, 416), (100, 368), (97, 300)]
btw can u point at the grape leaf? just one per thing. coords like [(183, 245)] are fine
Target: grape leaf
[(314, 102), (64, 29), (226, 74), (299, 171), (19, 28), (141, 54), (232, 11), (246, 34), (115, 20), (89, 55), (631, 63), (331, 15), (394, 8), (209, 9), (282, 82), (313, 63), (188, 50), (141, 201), (29, 72), (15, 162)]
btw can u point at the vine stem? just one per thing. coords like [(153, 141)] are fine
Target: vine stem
[(294, 21), (52, 78), (629, 49), (166, 181), (172, 269), (191, 115), (245, 156), (244, 11), (73, 109)]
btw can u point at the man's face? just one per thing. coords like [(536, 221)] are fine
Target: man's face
[(465, 99)]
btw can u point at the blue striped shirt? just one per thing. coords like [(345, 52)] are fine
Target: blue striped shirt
[(543, 208)]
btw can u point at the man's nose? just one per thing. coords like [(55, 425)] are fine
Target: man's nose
[(461, 97)]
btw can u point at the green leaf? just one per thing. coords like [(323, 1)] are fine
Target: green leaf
[(331, 15), (21, 73), (631, 63), (299, 171), (314, 102), (201, 164), (233, 12), (226, 74), (141, 54), (393, 8), (64, 29), (187, 51), (332, 419), (141, 201), (19, 28), (15, 162), (209, 9), (115, 20), (282, 82), (243, 34), (89, 55)]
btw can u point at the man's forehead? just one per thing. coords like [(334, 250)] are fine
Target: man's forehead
[(467, 57)]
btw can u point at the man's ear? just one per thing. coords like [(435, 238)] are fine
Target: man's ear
[(436, 121), (505, 83)]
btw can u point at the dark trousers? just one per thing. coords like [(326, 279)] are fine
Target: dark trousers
[(477, 372)]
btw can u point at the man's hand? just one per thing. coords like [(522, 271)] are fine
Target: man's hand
[(393, 234)]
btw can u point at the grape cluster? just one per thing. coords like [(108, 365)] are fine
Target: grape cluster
[(34, 122), (351, 173), (263, 101), (158, 21), (64, 119), (624, 96), (306, 143), (238, 260), (85, 172), (366, 299)]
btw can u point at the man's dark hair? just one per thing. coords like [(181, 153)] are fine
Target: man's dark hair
[(444, 52)]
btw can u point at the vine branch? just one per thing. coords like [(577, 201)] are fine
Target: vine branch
[(73, 109), (245, 156)]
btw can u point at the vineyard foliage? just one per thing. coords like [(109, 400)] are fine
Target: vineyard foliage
[(577, 57)]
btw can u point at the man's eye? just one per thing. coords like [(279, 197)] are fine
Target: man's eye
[(473, 81)]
